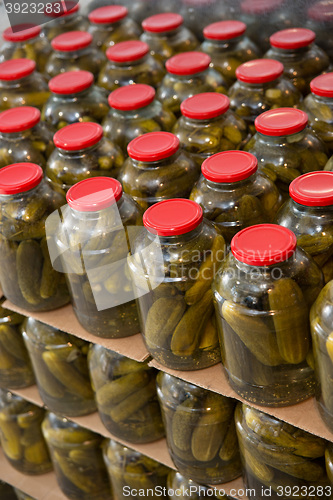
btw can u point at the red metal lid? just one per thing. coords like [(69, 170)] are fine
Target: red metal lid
[(314, 189), (108, 14), (293, 38), (229, 166), (160, 23), (128, 51), (62, 8), (78, 136), (153, 146), (260, 6), (71, 82), (204, 106), (322, 85), (224, 30), (172, 217), (132, 97), (321, 11), (22, 32), (19, 177), (281, 121), (259, 71), (72, 40), (19, 119), (263, 245), (16, 69), (91, 195), (188, 63)]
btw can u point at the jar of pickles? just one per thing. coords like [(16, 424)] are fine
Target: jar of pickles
[(262, 295), (81, 152), (60, 365), (157, 169), (63, 18), (278, 458), (110, 24), (207, 126), (228, 46), (181, 487), (188, 73), (21, 435), (233, 195), (21, 85), (74, 98), (260, 86), (301, 57), (200, 430), (130, 62), (285, 147), (134, 112), (77, 459), (74, 51), (309, 214), (173, 263), (125, 393), (319, 19), (26, 273), (166, 35)]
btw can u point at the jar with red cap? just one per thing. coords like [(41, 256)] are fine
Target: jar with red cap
[(198, 13), (166, 35), (21, 85), (26, 274), (130, 62), (309, 214), (228, 46), (74, 51), (285, 147), (62, 18), (233, 195), (74, 98), (319, 20), (301, 57), (25, 42), (157, 169), (207, 126), (23, 137), (110, 24), (91, 245), (81, 152), (262, 295), (173, 263), (188, 74), (134, 112), (260, 86)]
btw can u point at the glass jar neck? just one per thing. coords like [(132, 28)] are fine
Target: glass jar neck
[(15, 136), (70, 97), (134, 113), (75, 53), (155, 164), (307, 210), (328, 101), (16, 84), (291, 53), (231, 186), (9, 198), (177, 239), (202, 123), (79, 152), (165, 34), (273, 271), (98, 214), (201, 74), (108, 26), (281, 139), (258, 87), (229, 44), (129, 64)]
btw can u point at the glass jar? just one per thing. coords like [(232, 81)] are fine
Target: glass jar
[(262, 295), (110, 25), (260, 86), (130, 62), (92, 241), (180, 488), (207, 126), (125, 393), (233, 195), (166, 35), (228, 46), (74, 51), (81, 152), (173, 263), (131, 470), (200, 430), (278, 458), (309, 215), (329, 462), (64, 19), (198, 13), (74, 98), (61, 368), (155, 161), (319, 19), (77, 459), (21, 436), (302, 59), (188, 74), (25, 42), (285, 147), (26, 273), (21, 85)]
